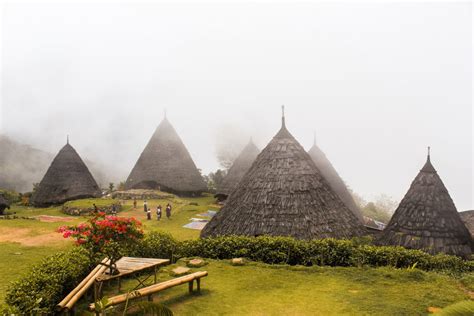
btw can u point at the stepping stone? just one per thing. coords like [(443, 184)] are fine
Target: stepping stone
[(237, 262), (180, 271), (196, 263)]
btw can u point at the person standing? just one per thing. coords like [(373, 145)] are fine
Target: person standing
[(168, 211), (134, 203), (114, 210), (148, 214), (145, 206), (158, 212)]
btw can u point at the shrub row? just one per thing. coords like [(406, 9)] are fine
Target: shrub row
[(287, 250), (48, 282)]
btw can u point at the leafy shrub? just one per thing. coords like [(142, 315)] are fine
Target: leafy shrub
[(329, 252), (156, 245), (48, 282)]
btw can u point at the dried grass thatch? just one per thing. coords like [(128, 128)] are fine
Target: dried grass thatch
[(68, 178), (468, 219), (334, 180), (166, 164), (283, 194), (427, 219), (239, 168)]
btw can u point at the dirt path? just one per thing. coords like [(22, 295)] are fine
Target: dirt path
[(27, 237)]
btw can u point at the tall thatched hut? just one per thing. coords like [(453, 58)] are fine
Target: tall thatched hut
[(68, 178), (166, 164), (284, 194), (239, 168), (427, 219), (335, 181)]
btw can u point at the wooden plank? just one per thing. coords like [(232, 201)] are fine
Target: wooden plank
[(115, 300)]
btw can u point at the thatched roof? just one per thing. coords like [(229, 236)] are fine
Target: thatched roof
[(333, 178), (68, 178), (166, 164), (427, 219), (283, 194), (3, 202), (239, 168), (468, 219)]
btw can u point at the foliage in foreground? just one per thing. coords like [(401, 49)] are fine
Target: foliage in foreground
[(47, 283)]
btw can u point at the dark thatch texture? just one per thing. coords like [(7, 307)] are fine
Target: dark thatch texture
[(239, 168), (468, 220), (427, 219), (283, 194), (166, 164), (68, 178), (334, 180), (3, 204)]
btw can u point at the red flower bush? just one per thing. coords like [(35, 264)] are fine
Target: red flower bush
[(106, 235)]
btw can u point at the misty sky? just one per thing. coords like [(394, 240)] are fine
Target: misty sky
[(377, 82)]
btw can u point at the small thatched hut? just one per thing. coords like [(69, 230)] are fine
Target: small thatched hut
[(333, 178), (427, 219), (68, 178), (166, 164), (283, 194), (239, 168), (3, 204), (468, 220)]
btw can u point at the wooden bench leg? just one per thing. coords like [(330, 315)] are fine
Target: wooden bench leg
[(198, 285), (191, 286), (119, 282), (150, 298)]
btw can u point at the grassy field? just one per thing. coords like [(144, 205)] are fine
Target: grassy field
[(259, 289), (256, 289)]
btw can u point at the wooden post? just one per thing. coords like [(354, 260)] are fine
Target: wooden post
[(150, 298), (198, 285), (191, 283), (155, 270)]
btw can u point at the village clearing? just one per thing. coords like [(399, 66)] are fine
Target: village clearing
[(254, 288)]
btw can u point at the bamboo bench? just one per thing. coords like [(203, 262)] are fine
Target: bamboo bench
[(68, 302), (155, 288)]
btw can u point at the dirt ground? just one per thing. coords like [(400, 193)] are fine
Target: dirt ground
[(27, 237)]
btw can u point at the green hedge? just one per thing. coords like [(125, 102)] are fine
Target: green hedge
[(287, 250), (48, 282)]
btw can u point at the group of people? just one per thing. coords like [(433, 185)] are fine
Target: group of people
[(158, 210)]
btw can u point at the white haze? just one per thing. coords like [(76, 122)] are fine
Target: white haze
[(377, 82)]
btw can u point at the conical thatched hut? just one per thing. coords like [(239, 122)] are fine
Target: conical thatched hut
[(333, 178), (283, 194), (427, 219), (166, 164), (68, 178), (3, 204), (468, 219), (239, 168)]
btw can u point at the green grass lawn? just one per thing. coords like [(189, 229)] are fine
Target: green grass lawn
[(255, 289), (259, 289)]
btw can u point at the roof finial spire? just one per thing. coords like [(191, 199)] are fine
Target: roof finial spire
[(67, 139), (282, 115), (314, 140), (429, 152)]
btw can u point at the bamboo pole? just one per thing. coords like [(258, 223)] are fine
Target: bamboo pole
[(152, 289), (79, 286), (86, 286)]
